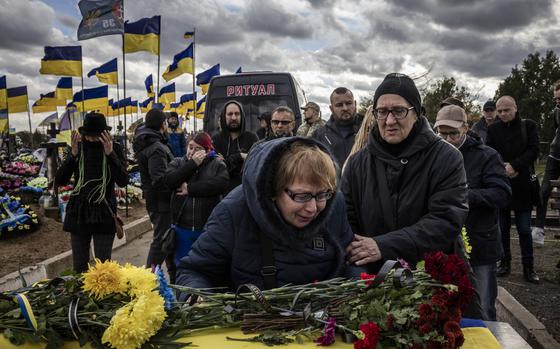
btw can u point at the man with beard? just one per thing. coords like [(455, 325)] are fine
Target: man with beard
[(176, 136), (313, 121), (487, 119), (233, 143), (339, 132)]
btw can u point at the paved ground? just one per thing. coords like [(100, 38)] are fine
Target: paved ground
[(135, 252)]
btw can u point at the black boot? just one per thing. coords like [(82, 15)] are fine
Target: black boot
[(530, 274), (504, 269)]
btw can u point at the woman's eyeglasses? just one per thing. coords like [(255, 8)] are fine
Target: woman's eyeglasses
[(306, 197)]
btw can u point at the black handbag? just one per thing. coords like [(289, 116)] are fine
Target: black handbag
[(169, 236)]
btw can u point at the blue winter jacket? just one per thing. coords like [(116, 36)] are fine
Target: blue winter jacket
[(177, 143), (228, 253)]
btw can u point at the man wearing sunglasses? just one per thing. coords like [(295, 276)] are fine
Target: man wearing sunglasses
[(406, 191), (282, 123), (488, 191)]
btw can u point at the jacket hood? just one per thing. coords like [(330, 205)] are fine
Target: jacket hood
[(223, 125), (472, 140), (258, 175), (423, 137), (146, 137)]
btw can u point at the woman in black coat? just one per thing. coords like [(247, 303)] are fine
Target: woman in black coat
[(97, 163), (199, 179)]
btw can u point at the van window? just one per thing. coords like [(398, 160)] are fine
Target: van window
[(252, 109)]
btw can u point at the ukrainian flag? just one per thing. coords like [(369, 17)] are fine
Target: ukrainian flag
[(189, 35), (37, 108), (167, 94), (93, 98), (126, 105), (149, 83), (107, 73), (108, 111), (203, 79), (64, 89), (3, 94), (62, 60), (50, 100), (18, 99), (146, 105), (200, 108), (182, 63), (65, 127), (142, 35), (188, 100)]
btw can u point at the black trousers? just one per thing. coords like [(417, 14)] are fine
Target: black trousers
[(161, 221), (102, 247), (551, 172)]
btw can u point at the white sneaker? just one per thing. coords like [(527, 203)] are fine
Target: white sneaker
[(538, 236)]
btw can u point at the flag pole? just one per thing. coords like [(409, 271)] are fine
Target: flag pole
[(29, 120), (125, 136), (118, 109), (10, 145), (83, 93), (193, 77), (158, 60)]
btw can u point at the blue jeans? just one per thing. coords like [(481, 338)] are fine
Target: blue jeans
[(487, 288), (523, 224)]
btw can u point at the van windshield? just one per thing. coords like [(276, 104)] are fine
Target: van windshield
[(251, 107)]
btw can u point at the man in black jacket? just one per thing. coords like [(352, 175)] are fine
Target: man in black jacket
[(488, 191), (339, 133), (406, 191), (517, 141), (233, 143), (153, 155), (488, 118), (551, 172)]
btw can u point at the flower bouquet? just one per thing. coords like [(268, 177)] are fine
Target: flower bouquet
[(15, 217), (129, 307), (21, 169), (29, 159)]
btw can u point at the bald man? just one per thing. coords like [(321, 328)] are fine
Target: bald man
[(517, 141)]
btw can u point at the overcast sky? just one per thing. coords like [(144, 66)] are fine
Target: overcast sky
[(324, 43)]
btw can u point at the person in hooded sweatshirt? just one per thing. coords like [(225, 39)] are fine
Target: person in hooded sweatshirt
[(233, 143), (285, 224), (153, 156), (97, 163), (489, 191), (406, 191), (176, 136)]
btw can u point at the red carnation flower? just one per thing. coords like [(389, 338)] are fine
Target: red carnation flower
[(366, 276), (371, 336)]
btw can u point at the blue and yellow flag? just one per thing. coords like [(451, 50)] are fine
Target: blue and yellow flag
[(200, 108), (3, 94), (149, 83), (188, 100), (182, 63), (126, 105), (188, 35), (50, 99), (203, 79), (18, 101), (142, 35), (64, 89), (3, 105), (93, 98), (99, 18), (146, 105), (62, 60), (167, 94), (106, 73), (37, 108)]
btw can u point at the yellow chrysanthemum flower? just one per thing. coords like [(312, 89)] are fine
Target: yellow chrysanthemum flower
[(136, 322), (103, 279), (138, 280), (466, 241)]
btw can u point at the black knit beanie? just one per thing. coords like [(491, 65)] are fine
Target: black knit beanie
[(402, 85), (154, 119)]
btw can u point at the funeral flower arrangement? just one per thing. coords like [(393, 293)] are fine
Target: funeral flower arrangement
[(130, 307), (16, 217)]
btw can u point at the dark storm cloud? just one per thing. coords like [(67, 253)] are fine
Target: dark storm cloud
[(464, 40), (276, 21), (478, 15), (19, 34)]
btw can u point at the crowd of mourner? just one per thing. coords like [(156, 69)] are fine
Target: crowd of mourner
[(330, 199)]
